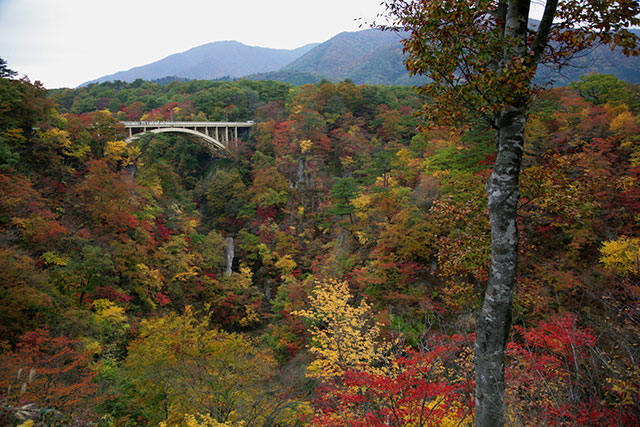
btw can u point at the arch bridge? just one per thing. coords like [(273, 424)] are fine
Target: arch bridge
[(214, 136)]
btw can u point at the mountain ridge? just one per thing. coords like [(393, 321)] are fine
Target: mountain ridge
[(367, 56), (211, 61)]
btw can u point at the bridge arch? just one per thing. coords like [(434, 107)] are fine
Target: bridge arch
[(202, 139)]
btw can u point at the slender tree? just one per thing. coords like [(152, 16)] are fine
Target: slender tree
[(5, 72), (481, 57)]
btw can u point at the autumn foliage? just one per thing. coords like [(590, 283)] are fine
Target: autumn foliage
[(49, 378), (330, 274)]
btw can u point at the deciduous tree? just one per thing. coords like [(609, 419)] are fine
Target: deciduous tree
[(180, 365), (52, 376), (481, 57), (345, 335)]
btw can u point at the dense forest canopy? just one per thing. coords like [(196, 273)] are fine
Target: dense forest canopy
[(360, 256)]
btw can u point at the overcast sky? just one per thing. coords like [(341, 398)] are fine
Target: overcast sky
[(64, 43)]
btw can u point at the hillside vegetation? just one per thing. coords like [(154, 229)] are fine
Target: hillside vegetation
[(360, 255)]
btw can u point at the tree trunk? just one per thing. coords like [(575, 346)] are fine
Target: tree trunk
[(494, 320)]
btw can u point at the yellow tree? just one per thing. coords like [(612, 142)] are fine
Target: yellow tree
[(622, 256), (181, 365), (345, 337)]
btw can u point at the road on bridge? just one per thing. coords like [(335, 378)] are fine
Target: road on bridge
[(215, 136)]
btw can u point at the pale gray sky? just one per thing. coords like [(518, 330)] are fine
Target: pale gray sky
[(64, 43)]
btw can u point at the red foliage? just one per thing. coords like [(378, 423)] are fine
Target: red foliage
[(28, 212), (549, 377), (265, 213), (421, 392), (109, 197), (489, 160), (134, 111), (50, 372), (162, 233), (162, 299), (283, 143), (109, 292)]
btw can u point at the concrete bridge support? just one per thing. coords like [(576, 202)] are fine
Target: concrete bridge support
[(212, 135)]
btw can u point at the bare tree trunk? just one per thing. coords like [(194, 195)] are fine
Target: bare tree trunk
[(503, 193), (494, 320)]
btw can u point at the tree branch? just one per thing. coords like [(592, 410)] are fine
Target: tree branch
[(542, 36)]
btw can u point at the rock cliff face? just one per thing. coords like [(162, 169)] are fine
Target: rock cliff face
[(230, 254)]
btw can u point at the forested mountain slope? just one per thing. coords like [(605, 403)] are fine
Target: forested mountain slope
[(360, 252), (368, 56)]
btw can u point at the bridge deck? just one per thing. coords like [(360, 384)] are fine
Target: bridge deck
[(216, 136), (139, 124)]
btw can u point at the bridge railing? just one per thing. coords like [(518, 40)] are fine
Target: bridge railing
[(144, 123)]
